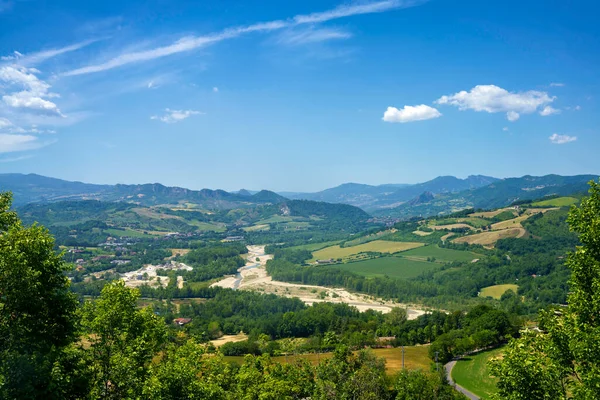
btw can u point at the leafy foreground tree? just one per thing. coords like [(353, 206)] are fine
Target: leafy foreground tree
[(37, 312), (563, 360)]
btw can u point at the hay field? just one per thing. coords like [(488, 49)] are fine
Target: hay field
[(381, 246), (490, 238)]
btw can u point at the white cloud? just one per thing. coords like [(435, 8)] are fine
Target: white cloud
[(11, 143), (13, 159), (505, 129), (152, 85), (40, 56), (493, 99), (549, 110), (312, 35), (5, 123), (562, 139), (173, 116), (32, 97), (215, 89), (557, 84), (194, 42), (512, 116), (410, 113)]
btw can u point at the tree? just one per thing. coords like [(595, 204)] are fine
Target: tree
[(562, 359), (123, 341), (37, 310)]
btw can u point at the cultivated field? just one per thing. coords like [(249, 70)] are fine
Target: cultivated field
[(450, 226), (511, 223), (254, 228), (240, 337), (381, 246), (558, 202), (497, 291), (415, 357), (473, 373), (395, 267), (314, 246), (490, 214), (490, 238), (440, 254)]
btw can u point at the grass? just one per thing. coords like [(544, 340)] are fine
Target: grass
[(126, 232), (275, 219), (497, 291), (395, 267), (440, 254), (205, 226), (254, 228), (380, 246), (240, 337), (415, 357), (314, 246), (557, 202), (473, 373)]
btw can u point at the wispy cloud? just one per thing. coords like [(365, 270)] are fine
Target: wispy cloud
[(312, 35), (14, 159), (173, 116), (13, 143), (215, 89), (41, 56), (557, 84), (562, 139), (410, 113), (189, 43), (549, 110), (493, 99)]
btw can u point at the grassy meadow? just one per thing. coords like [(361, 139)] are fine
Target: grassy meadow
[(557, 202), (473, 373), (497, 291), (440, 254), (394, 267)]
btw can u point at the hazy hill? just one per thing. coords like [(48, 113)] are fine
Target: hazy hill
[(500, 193), (32, 188), (371, 197)]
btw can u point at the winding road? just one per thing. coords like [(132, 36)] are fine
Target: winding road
[(448, 367)]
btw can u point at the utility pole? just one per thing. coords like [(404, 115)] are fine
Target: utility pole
[(402, 357)]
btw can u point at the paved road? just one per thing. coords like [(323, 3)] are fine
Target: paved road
[(448, 367)]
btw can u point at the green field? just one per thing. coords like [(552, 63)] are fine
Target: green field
[(380, 246), (497, 291), (275, 219), (126, 232), (314, 246), (473, 374), (205, 226), (254, 228), (415, 357), (440, 254), (557, 202), (394, 267)]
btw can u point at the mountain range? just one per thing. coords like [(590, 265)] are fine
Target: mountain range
[(440, 195)]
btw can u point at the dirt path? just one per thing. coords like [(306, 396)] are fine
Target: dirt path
[(253, 276)]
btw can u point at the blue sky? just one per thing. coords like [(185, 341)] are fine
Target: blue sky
[(298, 95)]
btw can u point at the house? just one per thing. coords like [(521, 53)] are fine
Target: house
[(329, 261), (182, 321)]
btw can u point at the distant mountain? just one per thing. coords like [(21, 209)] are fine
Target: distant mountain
[(424, 197), (498, 194), (370, 197), (34, 188)]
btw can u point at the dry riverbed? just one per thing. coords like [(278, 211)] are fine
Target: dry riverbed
[(253, 276)]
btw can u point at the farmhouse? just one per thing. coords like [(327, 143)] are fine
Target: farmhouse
[(182, 321)]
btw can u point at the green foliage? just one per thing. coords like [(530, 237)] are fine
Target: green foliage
[(123, 340), (37, 310), (562, 359), (419, 385)]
